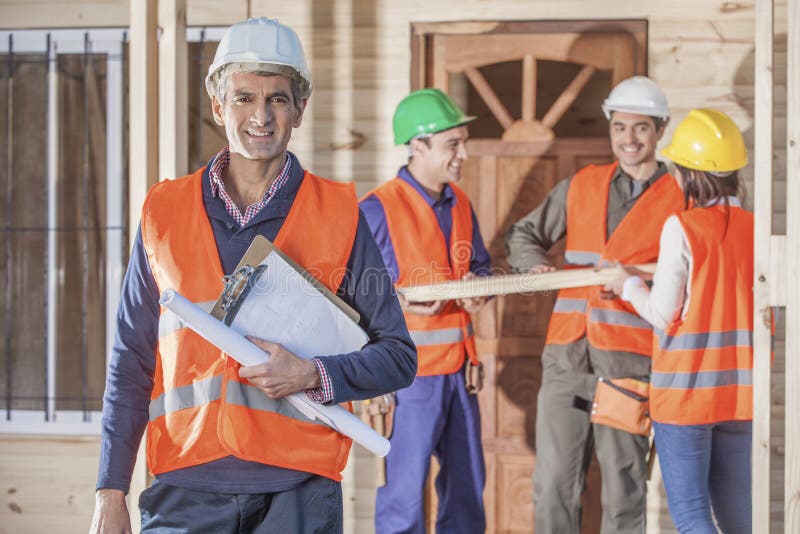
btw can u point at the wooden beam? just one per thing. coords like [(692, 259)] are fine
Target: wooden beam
[(565, 99), (143, 167), (441, 78), (792, 427), (528, 88), (143, 90), (777, 271), (489, 96), (762, 334), (173, 151)]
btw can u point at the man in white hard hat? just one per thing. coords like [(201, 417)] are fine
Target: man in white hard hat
[(227, 453), (608, 213)]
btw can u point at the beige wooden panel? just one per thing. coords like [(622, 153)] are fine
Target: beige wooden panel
[(514, 483), (47, 484), (518, 379)]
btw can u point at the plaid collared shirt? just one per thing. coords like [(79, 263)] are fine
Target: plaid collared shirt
[(217, 170), (324, 393)]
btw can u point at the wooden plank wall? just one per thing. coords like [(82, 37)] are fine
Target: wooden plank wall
[(702, 53), (47, 484)]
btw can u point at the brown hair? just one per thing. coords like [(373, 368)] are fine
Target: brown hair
[(704, 188)]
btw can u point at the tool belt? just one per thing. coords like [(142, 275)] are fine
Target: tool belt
[(473, 377), (378, 413), (622, 403)]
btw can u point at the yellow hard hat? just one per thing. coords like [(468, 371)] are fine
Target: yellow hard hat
[(707, 140)]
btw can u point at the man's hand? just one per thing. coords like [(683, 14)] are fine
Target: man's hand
[(421, 308), (110, 513), (542, 268), (473, 304), (283, 374)]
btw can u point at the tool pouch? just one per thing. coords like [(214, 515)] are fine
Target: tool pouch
[(622, 403), (473, 376), (378, 413)]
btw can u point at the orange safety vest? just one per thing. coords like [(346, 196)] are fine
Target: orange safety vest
[(613, 324), (200, 409), (423, 257), (703, 363)]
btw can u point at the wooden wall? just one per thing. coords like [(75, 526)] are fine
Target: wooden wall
[(702, 54), (47, 485)]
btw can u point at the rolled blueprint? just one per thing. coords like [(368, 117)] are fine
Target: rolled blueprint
[(245, 352)]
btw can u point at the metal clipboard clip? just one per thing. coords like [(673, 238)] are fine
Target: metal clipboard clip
[(237, 287)]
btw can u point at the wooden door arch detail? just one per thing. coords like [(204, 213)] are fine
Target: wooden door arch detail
[(614, 46)]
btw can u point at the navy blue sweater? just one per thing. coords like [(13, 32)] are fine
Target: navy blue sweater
[(387, 363)]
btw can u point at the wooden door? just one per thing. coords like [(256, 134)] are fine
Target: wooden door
[(517, 152)]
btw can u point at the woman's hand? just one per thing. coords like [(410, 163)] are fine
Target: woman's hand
[(614, 287)]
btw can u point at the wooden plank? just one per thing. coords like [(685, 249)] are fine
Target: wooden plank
[(762, 335), (173, 151), (143, 169), (528, 88), (439, 78), (47, 482), (776, 279), (792, 469), (143, 133), (565, 99), (490, 97)]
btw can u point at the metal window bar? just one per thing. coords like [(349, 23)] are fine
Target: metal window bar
[(9, 219), (96, 41), (111, 43), (85, 232)]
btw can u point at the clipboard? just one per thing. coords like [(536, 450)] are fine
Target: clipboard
[(237, 285), (271, 297)]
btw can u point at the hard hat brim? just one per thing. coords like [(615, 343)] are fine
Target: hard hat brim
[(433, 131)]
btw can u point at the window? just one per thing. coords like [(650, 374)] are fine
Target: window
[(63, 248)]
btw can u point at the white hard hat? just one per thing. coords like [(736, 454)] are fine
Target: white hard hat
[(639, 95), (261, 44)]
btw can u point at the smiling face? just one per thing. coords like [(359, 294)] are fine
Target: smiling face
[(258, 115), (436, 160), (633, 139)]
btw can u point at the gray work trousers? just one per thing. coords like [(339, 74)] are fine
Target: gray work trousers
[(565, 440), (315, 506)]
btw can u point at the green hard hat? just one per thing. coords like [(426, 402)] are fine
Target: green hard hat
[(426, 111)]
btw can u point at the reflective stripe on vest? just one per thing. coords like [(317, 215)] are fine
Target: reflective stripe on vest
[(702, 362), (188, 396), (423, 257), (618, 317), (705, 340), (200, 410), (580, 257), (567, 305), (609, 324), (422, 338), (703, 379)]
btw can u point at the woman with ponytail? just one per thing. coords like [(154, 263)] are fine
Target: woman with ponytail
[(701, 306)]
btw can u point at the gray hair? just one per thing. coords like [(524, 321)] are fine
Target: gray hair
[(223, 79)]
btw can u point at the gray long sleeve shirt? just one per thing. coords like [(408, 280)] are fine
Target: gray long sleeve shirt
[(528, 241)]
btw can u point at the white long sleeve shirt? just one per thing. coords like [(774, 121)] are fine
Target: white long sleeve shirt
[(671, 292)]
